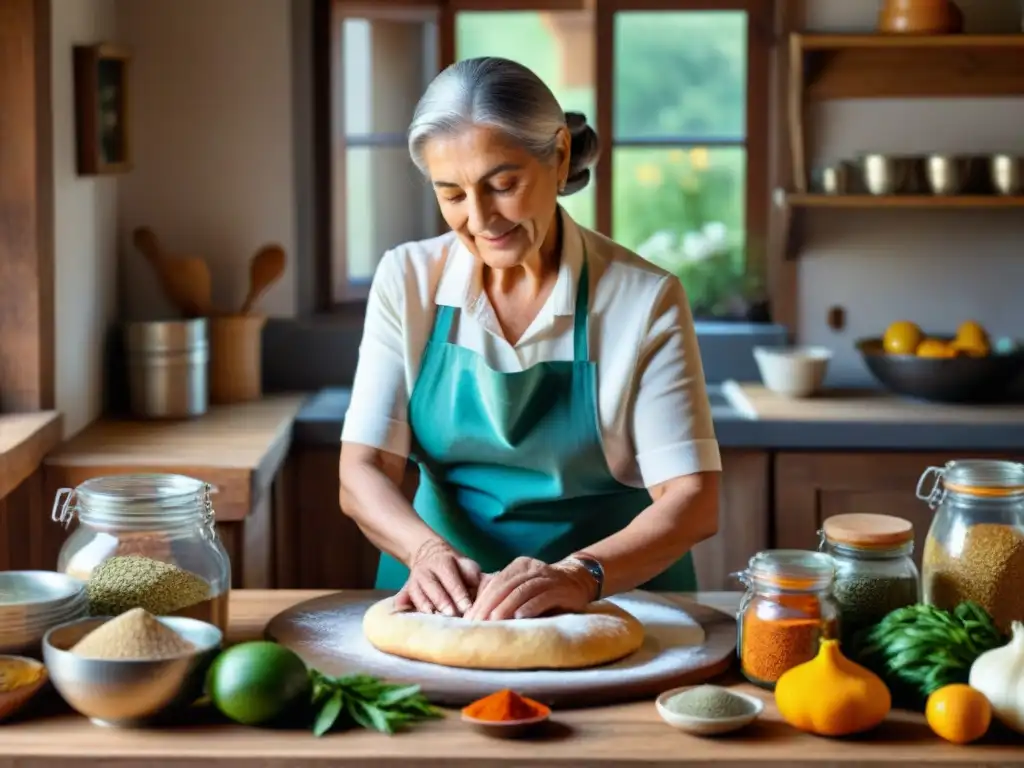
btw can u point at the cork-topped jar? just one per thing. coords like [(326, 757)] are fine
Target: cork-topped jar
[(975, 546), (149, 541), (786, 612), (874, 567)]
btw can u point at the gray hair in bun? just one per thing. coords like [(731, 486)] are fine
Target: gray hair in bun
[(508, 96)]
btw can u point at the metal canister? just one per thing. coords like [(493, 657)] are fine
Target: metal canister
[(167, 364)]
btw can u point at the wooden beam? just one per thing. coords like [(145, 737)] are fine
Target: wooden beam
[(26, 208)]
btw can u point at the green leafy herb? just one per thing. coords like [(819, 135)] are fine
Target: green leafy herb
[(919, 648), (368, 702)]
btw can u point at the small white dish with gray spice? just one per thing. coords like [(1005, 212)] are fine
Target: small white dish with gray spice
[(708, 710)]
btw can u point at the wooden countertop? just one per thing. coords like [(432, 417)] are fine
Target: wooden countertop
[(629, 735), (237, 448), (755, 401), (25, 438)]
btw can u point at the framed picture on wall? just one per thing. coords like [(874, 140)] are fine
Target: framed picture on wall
[(101, 109)]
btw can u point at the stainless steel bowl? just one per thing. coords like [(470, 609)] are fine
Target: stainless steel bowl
[(126, 692), (833, 179), (1007, 174), (949, 174), (890, 174), (32, 602)]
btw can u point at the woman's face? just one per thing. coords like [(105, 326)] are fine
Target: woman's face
[(495, 195)]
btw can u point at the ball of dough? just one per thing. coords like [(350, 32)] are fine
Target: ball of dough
[(601, 634)]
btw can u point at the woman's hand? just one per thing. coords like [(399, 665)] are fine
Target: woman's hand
[(440, 581), (527, 588)]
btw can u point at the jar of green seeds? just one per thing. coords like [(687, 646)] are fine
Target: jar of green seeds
[(875, 571), (146, 541)]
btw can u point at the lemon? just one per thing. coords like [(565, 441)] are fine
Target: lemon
[(958, 713), (972, 333), (257, 682), (935, 348), (902, 338)]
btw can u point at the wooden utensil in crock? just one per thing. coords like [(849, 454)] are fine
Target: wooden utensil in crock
[(920, 17)]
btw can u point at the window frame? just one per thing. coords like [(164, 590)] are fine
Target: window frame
[(26, 209), (334, 292)]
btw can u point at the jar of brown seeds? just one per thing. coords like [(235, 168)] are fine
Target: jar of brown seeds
[(975, 545), (146, 541)]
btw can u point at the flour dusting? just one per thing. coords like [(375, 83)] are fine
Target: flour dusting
[(673, 643)]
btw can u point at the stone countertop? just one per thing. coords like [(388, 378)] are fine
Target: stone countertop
[(320, 419)]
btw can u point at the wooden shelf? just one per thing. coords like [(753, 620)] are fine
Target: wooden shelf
[(795, 205), (803, 200), (839, 42), (898, 66)]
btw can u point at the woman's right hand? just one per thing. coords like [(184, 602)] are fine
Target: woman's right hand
[(440, 581)]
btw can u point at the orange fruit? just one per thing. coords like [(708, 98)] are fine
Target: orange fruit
[(935, 348), (958, 713), (972, 333), (902, 338), (970, 347)]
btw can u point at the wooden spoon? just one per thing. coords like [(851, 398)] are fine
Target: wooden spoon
[(265, 269), (186, 279)]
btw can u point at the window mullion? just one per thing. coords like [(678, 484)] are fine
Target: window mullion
[(604, 97)]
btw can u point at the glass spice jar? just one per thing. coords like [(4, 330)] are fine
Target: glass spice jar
[(149, 541), (874, 568), (785, 613), (975, 545)]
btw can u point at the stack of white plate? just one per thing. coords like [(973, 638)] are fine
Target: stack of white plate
[(32, 602)]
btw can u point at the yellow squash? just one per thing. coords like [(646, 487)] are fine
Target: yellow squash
[(831, 695)]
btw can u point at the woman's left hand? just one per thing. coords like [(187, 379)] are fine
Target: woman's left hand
[(527, 588)]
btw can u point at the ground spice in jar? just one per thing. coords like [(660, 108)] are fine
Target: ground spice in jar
[(505, 706), (769, 647), (866, 599), (132, 581), (136, 634), (987, 568)]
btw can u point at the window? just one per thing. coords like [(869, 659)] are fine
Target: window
[(675, 88)]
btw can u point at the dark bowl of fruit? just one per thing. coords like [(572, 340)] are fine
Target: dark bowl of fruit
[(960, 368)]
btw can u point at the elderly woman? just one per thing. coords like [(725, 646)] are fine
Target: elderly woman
[(546, 380)]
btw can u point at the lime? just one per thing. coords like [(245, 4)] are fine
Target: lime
[(256, 682)]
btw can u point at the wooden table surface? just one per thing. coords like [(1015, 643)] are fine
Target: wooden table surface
[(627, 735)]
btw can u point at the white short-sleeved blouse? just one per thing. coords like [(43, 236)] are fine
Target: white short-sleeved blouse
[(653, 408)]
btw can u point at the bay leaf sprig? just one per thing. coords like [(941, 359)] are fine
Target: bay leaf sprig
[(368, 702)]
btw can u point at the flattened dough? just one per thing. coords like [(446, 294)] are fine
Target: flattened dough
[(602, 634)]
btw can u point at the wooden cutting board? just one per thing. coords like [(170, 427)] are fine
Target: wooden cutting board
[(755, 401), (327, 633)]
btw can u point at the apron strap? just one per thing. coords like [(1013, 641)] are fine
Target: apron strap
[(442, 331), (580, 341)]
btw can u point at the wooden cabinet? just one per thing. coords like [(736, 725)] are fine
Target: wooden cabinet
[(811, 487), (744, 520), (330, 552)]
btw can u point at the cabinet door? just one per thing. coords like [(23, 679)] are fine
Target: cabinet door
[(811, 487), (743, 520)]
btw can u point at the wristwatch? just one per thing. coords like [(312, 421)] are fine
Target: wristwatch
[(592, 566)]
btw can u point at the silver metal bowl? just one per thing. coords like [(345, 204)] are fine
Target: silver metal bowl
[(128, 692), (32, 602), (1007, 174), (890, 174), (950, 174)]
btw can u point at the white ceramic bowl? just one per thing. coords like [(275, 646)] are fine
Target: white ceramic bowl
[(793, 371), (701, 726)]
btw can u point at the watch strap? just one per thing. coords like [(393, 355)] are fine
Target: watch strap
[(592, 566)]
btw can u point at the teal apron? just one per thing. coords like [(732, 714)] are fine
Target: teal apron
[(512, 464)]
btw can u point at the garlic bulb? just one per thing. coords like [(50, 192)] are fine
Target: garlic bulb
[(999, 674)]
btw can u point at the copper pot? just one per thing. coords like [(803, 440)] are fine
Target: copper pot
[(920, 17)]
